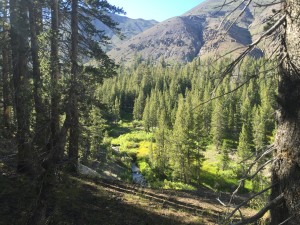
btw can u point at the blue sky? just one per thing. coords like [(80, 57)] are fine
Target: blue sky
[(155, 9)]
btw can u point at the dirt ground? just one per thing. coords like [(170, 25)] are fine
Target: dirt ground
[(81, 200)]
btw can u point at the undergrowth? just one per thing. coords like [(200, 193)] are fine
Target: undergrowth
[(138, 144)]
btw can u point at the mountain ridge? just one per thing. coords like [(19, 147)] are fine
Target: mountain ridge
[(128, 27), (195, 33)]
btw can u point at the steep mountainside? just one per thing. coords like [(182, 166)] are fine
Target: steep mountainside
[(129, 28), (196, 33)]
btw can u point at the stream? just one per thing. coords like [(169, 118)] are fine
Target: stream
[(137, 177)]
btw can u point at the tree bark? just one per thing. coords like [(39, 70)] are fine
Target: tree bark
[(5, 90), (55, 74), (286, 169), (19, 44), (41, 120), (73, 101), (7, 106)]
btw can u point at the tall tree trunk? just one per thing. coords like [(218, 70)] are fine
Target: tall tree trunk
[(41, 128), (5, 90), (19, 39), (74, 128), (286, 169), (7, 106), (55, 93)]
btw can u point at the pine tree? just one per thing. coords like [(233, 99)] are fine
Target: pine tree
[(154, 105), (183, 140), (244, 149), (225, 159), (116, 110), (162, 133), (259, 129), (146, 116), (218, 124), (6, 73), (73, 97), (41, 116), (199, 134), (139, 105), (19, 43), (55, 74), (178, 160)]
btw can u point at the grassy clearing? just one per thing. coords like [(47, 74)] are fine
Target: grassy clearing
[(138, 144), (217, 179)]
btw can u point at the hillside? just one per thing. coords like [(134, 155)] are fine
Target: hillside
[(129, 28), (79, 200), (196, 33)]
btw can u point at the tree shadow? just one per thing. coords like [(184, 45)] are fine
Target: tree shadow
[(116, 130)]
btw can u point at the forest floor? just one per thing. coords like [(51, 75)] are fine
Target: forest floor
[(82, 200)]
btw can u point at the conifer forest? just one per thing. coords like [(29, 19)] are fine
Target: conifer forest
[(85, 139)]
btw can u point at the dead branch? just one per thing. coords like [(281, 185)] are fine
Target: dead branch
[(225, 3), (259, 169), (221, 7), (227, 17), (250, 177), (287, 220), (250, 47), (233, 90), (227, 93), (259, 157), (240, 14), (247, 200), (270, 31), (267, 4), (220, 201), (253, 44), (262, 212)]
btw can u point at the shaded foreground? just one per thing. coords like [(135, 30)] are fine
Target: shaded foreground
[(78, 200)]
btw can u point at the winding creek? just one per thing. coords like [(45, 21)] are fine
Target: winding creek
[(137, 177)]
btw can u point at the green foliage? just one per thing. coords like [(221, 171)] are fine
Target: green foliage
[(225, 159), (131, 141), (177, 186), (172, 104)]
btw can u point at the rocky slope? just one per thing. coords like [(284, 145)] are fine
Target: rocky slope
[(197, 33), (129, 28)]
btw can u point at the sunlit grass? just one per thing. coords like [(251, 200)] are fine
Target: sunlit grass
[(136, 142), (139, 143), (144, 149), (214, 177)]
